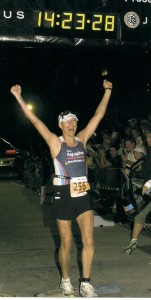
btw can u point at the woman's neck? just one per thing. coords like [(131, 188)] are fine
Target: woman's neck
[(70, 141)]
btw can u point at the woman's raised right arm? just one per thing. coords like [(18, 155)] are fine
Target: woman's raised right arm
[(51, 139)]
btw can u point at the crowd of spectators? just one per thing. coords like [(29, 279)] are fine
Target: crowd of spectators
[(127, 149), (121, 148)]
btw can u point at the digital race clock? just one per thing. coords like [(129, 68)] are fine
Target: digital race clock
[(88, 22), (77, 24)]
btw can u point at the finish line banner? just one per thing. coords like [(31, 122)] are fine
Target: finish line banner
[(91, 23)]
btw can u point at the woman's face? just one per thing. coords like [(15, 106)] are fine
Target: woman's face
[(113, 152), (69, 128)]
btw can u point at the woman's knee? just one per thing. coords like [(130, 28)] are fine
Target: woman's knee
[(66, 244), (88, 242)]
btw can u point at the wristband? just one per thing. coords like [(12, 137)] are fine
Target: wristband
[(108, 88)]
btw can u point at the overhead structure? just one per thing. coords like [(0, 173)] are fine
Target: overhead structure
[(76, 22)]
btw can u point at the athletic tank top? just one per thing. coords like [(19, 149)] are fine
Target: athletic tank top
[(70, 162)]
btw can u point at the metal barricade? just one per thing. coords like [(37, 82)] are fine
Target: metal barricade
[(109, 188)]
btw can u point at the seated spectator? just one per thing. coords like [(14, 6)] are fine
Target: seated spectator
[(121, 148), (105, 147), (139, 153), (128, 158), (93, 162), (114, 160), (115, 137), (127, 131), (145, 172), (90, 155), (136, 134), (144, 125), (106, 134), (149, 117), (132, 122)]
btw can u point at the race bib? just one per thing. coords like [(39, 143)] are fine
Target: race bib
[(79, 186)]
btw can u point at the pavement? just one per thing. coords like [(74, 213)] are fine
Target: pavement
[(28, 252)]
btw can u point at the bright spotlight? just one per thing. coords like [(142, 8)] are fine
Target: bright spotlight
[(30, 107)]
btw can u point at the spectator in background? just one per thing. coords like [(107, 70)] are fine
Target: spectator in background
[(115, 137), (144, 125), (91, 153), (149, 117), (145, 172), (136, 134), (145, 175), (139, 220), (105, 148), (128, 157), (121, 148), (139, 153), (127, 131), (93, 162), (106, 134), (132, 122), (114, 160)]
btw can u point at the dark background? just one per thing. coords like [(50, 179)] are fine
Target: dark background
[(57, 78), (58, 74)]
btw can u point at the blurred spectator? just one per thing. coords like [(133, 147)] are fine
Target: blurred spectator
[(132, 122), (106, 134), (104, 148), (137, 135), (145, 172), (139, 153), (127, 131), (144, 125), (128, 172), (92, 156), (93, 162), (149, 117), (128, 158), (121, 148), (115, 138), (114, 160), (140, 219)]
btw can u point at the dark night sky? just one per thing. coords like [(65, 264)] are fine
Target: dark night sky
[(57, 78)]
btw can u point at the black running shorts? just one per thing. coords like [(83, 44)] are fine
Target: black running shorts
[(67, 207)]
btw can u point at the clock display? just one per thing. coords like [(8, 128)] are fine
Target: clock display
[(75, 23), (99, 25)]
